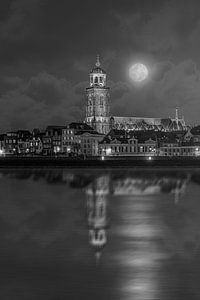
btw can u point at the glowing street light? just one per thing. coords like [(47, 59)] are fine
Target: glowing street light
[(2, 152), (108, 151), (197, 151)]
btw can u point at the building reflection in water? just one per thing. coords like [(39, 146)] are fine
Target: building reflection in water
[(97, 193), (141, 229)]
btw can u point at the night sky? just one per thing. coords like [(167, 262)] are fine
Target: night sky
[(48, 47)]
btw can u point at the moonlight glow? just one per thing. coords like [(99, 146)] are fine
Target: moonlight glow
[(138, 72)]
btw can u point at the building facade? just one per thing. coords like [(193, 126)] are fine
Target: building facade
[(11, 142), (127, 146), (176, 150), (52, 140), (89, 142), (71, 143)]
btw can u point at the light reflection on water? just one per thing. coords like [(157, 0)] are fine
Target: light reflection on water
[(99, 234)]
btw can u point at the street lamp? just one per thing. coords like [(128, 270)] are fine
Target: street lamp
[(2, 152)]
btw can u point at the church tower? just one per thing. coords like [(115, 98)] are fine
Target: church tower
[(98, 100)]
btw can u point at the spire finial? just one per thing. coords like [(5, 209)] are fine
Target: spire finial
[(176, 113), (98, 61)]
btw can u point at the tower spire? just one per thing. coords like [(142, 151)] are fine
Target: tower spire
[(176, 116), (98, 61)]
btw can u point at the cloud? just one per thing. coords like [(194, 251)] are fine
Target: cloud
[(118, 89), (42, 100), (181, 87), (160, 31), (21, 19), (47, 88)]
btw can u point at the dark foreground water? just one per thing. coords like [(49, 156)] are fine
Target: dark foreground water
[(99, 234)]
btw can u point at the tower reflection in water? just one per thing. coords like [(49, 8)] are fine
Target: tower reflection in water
[(97, 193), (140, 228)]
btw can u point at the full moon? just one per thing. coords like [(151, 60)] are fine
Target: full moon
[(138, 72)]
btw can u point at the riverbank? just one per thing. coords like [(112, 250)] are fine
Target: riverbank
[(132, 161)]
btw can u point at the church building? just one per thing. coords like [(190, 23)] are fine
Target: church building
[(98, 114)]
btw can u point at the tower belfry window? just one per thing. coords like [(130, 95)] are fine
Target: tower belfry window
[(96, 79)]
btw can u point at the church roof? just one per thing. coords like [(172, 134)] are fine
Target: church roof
[(143, 123), (166, 123), (195, 130), (137, 120), (80, 126), (122, 136), (91, 132)]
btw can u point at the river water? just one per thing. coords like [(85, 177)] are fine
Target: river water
[(99, 234)]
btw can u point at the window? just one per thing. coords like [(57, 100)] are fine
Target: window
[(101, 237), (101, 211), (101, 100), (96, 79)]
